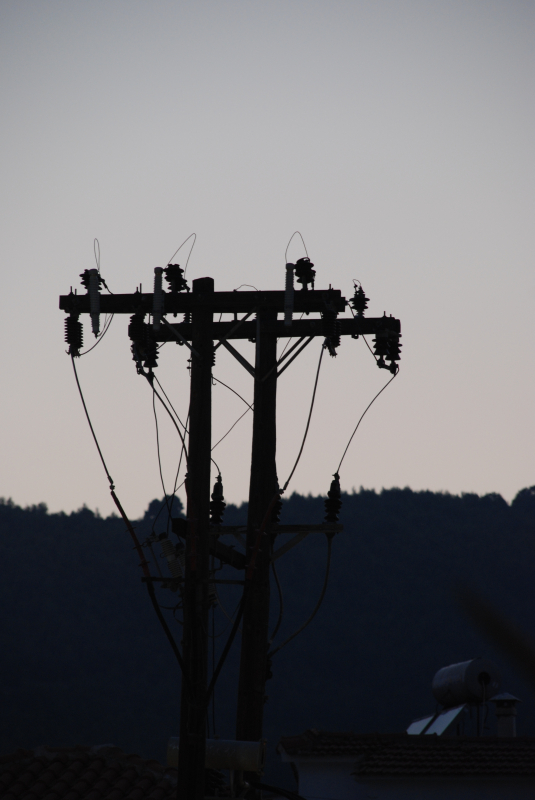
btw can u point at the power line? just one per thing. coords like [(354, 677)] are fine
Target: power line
[(308, 423), (362, 417), (316, 607)]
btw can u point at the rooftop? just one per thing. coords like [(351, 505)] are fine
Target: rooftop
[(400, 754), (87, 773)]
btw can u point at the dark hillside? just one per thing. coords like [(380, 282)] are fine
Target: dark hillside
[(84, 659)]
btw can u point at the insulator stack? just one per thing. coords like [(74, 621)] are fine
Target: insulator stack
[(213, 356), (277, 508), (359, 303), (92, 280), (333, 504), (328, 323), (331, 331), (187, 317), (157, 299), (304, 273), (217, 505), (170, 553), (137, 329), (74, 334), (394, 350), (381, 344), (174, 275), (150, 355)]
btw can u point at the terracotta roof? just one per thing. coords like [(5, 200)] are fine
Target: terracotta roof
[(400, 754), (87, 773)]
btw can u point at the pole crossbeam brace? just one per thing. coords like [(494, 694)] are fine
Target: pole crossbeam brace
[(238, 356)]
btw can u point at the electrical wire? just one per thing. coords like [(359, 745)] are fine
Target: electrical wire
[(250, 285), (143, 564), (289, 243), (166, 501), (308, 423), (249, 408), (149, 378), (234, 391), (171, 405), (362, 417), (281, 604), (100, 338), (316, 608), (190, 252), (91, 426), (227, 647), (231, 428)]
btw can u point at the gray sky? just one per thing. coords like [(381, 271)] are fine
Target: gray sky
[(396, 136)]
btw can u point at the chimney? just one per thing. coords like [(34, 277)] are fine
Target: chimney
[(505, 713)]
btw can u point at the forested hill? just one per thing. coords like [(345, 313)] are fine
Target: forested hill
[(85, 660)]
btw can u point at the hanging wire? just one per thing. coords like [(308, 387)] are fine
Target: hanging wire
[(316, 608), (249, 408), (281, 604), (149, 378), (231, 428), (362, 417), (234, 391), (137, 546), (289, 243), (171, 405), (190, 252), (250, 285), (100, 338), (179, 462), (308, 422), (166, 500), (91, 426)]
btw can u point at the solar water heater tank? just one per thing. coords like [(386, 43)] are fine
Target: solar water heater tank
[(468, 682)]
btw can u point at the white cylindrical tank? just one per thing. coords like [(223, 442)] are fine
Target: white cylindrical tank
[(468, 682)]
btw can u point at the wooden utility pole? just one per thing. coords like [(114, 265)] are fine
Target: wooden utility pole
[(192, 751), (263, 488)]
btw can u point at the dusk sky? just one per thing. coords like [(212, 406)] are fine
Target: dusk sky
[(398, 137)]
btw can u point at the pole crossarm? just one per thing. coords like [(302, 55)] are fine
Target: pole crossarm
[(302, 328), (218, 302)]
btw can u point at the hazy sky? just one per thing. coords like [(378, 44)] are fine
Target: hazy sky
[(396, 136)]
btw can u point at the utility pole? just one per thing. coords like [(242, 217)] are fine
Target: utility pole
[(263, 488), (198, 332), (192, 752)]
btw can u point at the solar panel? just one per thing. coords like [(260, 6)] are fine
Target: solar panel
[(444, 720), (419, 725)]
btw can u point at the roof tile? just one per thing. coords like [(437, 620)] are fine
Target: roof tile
[(400, 754)]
